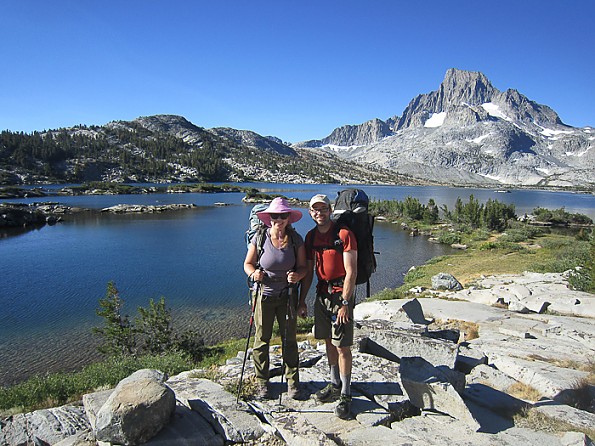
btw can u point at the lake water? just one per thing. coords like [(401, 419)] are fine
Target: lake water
[(53, 277)]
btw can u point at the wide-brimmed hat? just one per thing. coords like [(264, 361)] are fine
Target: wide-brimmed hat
[(279, 206)]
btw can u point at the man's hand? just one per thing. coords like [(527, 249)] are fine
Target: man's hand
[(343, 315), (302, 310)]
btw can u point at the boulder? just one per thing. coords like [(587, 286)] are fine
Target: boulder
[(138, 408), (218, 407), (378, 338), (409, 311), (487, 386), (428, 388), (79, 439), (445, 281)]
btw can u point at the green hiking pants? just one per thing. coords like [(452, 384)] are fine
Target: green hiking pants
[(269, 308)]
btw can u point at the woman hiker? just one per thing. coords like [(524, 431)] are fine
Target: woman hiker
[(277, 267)]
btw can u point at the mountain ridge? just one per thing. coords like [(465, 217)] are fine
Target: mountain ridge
[(466, 132)]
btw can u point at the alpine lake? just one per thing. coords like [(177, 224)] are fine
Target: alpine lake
[(53, 277)]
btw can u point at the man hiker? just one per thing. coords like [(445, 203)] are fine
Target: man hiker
[(332, 252)]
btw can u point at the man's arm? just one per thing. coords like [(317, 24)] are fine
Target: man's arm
[(350, 263)]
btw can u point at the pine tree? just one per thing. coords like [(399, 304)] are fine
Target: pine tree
[(154, 327), (118, 331)]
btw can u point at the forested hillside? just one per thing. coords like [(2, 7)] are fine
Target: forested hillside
[(166, 148)]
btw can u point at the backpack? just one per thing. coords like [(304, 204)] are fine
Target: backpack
[(351, 211), (254, 223)]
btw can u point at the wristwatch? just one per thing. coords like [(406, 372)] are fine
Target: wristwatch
[(344, 302)]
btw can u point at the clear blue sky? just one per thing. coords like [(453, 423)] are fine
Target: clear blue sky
[(292, 69)]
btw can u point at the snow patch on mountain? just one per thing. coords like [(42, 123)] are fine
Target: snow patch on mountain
[(436, 120), (494, 110), (479, 139)]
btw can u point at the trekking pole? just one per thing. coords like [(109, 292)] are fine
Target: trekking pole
[(284, 342), (288, 312), (257, 295)]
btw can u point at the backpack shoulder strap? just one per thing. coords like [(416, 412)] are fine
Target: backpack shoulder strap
[(337, 243), (294, 239), (309, 240), (260, 237)]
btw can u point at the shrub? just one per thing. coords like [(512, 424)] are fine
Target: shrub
[(514, 236), (502, 245), (479, 235), (150, 333), (449, 238), (561, 217), (573, 255), (580, 279)]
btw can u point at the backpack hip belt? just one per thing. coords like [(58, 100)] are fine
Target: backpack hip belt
[(268, 280), (328, 285), (276, 297)]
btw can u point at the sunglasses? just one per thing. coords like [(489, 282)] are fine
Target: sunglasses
[(283, 216)]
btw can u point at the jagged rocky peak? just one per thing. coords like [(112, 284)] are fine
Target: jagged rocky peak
[(459, 88), (465, 97), (358, 135), (520, 108)]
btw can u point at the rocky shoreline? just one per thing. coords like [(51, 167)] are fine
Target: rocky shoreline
[(17, 215), (437, 370)]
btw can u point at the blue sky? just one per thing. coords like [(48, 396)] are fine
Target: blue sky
[(292, 69)]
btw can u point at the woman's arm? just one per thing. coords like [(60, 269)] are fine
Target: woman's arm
[(250, 263)]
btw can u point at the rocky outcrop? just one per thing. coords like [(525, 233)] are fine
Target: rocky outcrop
[(24, 216), (174, 125), (141, 208), (399, 396), (358, 135), (252, 139)]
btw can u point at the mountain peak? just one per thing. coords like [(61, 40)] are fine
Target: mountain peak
[(460, 86), (356, 135)]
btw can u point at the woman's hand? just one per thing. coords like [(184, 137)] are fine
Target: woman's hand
[(293, 277), (257, 275)]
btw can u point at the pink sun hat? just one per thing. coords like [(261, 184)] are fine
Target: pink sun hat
[(279, 206)]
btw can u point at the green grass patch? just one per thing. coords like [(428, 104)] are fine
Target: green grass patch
[(56, 389), (556, 254), (60, 388)]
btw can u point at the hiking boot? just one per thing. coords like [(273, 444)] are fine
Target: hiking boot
[(262, 391), (296, 392), (328, 394), (343, 409)]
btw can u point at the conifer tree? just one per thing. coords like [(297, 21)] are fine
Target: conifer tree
[(118, 331)]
